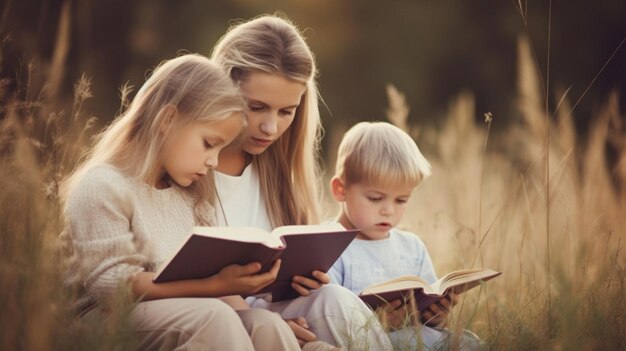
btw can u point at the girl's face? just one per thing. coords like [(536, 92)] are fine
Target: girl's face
[(373, 210), (272, 102), (195, 148)]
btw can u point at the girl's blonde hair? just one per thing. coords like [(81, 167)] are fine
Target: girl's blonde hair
[(187, 89), (288, 169), (379, 154)]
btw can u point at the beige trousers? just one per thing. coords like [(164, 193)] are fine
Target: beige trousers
[(337, 316), (208, 324)]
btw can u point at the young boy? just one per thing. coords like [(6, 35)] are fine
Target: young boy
[(378, 167)]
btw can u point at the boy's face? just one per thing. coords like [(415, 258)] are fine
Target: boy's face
[(372, 209)]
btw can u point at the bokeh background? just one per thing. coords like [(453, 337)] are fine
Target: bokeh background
[(517, 104), (430, 50)]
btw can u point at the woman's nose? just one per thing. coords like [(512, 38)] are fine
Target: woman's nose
[(269, 125)]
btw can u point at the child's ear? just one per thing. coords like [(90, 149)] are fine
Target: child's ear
[(168, 114), (338, 188)]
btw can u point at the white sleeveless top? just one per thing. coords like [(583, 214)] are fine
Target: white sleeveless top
[(241, 200)]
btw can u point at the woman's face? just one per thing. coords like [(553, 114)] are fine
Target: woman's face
[(272, 102)]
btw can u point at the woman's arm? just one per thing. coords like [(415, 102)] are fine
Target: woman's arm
[(304, 285)]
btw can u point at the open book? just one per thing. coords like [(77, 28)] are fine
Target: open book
[(425, 294), (302, 249)]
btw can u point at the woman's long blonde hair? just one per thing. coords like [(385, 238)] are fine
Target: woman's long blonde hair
[(289, 169), (192, 87)]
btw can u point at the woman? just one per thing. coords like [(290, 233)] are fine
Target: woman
[(269, 177)]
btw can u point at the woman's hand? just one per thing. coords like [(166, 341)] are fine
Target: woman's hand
[(301, 330), (304, 285), (437, 313), (243, 280)]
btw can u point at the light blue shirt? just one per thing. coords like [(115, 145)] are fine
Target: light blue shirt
[(368, 262)]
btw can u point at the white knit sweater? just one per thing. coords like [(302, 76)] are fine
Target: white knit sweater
[(117, 226)]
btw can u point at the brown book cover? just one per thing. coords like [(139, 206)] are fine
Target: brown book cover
[(425, 294), (302, 249)]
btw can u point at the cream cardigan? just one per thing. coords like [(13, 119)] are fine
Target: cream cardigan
[(118, 226)]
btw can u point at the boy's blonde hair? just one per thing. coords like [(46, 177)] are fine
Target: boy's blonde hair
[(185, 90), (288, 169), (379, 153)]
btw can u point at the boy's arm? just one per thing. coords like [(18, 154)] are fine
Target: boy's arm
[(395, 314), (437, 312), (424, 262)]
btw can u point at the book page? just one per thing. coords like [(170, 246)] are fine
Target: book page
[(401, 283), (469, 277), (244, 234), (307, 229)]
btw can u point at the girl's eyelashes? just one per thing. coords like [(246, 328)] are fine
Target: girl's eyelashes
[(374, 198), (207, 145)]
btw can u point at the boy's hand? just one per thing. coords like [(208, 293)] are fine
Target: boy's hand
[(301, 330), (242, 280), (304, 285), (437, 313), (395, 315)]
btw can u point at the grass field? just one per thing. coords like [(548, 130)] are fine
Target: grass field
[(537, 200)]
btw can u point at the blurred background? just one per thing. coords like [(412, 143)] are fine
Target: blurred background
[(518, 105), (430, 50)]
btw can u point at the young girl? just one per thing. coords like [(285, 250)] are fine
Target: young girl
[(269, 177), (134, 199)]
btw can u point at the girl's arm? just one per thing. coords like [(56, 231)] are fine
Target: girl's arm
[(99, 212), (231, 280)]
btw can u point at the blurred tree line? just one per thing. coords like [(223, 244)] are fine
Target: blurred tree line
[(430, 50)]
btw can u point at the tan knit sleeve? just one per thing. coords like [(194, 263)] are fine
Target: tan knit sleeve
[(99, 213)]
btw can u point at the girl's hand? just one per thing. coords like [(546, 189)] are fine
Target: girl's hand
[(243, 280), (304, 285), (437, 313), (301, 330)]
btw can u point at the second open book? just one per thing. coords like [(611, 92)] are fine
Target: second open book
[(425, 294), (301, 248)]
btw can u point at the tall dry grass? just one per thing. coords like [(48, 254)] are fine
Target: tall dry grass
[(41, 137)]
